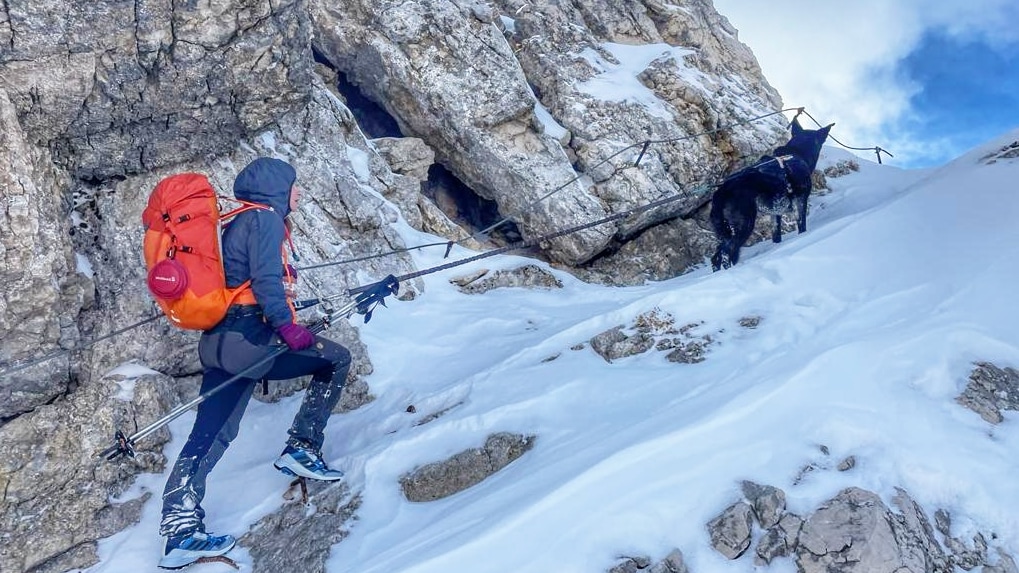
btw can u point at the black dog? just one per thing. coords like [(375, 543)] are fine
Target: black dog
[(772, 185)]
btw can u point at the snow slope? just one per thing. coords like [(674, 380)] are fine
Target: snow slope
[(870, 323)]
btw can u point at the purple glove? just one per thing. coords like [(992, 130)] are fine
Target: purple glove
[(296, 336), (290, 271)]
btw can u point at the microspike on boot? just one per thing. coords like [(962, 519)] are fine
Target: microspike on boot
[(211, 559), (219, 559), (299, 482)]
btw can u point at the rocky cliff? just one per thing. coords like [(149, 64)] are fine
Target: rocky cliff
[(521, 102)]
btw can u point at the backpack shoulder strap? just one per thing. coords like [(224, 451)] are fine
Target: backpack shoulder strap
[(245, 206)]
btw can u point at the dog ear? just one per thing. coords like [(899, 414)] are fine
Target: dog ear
[(824, 130), (796, 127)]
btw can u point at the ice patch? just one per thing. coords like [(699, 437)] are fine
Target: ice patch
[(128, 374), (268, 140), (83, 265), (509, 23), (360, 164), (619, 82), (551, 126)]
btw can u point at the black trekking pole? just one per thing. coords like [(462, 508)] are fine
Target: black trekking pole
[(368, 298)]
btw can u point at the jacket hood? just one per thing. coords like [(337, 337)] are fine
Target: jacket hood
[(266, 180)]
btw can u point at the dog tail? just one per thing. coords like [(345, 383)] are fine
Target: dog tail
[(717, 217)]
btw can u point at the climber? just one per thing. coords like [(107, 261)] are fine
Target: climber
[(254, 248)]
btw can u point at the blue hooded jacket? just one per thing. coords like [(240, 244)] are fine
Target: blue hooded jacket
[(253, 240)]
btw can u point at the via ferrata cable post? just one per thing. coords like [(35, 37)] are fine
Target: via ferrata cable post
[(878, 151), (640, 156)]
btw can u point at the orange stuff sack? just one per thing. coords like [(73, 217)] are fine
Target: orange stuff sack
[(183, 255)]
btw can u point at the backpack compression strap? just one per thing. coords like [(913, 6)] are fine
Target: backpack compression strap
[(243, 293)]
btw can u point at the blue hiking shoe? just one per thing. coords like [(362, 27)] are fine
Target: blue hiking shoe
[(183, 550), (304, 462)]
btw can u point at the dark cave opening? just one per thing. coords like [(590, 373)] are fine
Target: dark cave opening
[(465, 207), (374, 120), (457, 200)]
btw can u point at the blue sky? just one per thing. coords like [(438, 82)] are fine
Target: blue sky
[(970, 90), (925, 80)]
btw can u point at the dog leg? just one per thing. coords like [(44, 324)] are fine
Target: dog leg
[(723, 231), (732, 257), (776, 234), (741, 234), (738, 235), (717, 260), (722, 259), (801, 212)]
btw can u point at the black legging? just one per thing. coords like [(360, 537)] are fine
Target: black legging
[(225, 351)]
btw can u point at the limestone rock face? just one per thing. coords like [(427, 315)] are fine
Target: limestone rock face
[(42, 288), (406, 155), (524, 102), (465, 469), (855, 531), (114, 88), (698, 78), (58, 492), (410, 158), (452, 79)]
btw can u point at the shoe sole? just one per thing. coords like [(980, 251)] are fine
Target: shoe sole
[(175, 564), (306, 474)]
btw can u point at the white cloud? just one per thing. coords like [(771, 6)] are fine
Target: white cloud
[(838, 60), (992, 20)]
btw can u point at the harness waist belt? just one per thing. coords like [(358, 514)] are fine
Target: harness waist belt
[(245, 296), (238, 310)]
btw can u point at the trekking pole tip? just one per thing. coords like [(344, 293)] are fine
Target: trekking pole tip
[(122, 447)]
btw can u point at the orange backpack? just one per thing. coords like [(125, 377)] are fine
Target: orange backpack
[(183, 253)]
